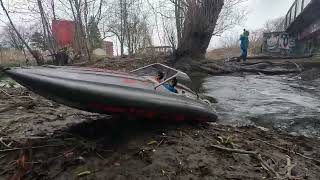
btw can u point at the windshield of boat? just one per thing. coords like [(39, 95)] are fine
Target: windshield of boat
[(169, 73)]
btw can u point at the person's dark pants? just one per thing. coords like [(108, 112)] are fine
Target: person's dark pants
[(244, 54)]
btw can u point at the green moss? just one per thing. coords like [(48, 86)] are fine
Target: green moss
[(2, 76)]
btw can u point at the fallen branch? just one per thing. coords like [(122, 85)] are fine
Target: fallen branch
[(298, 67), (213, 72), (254, 63), (268, 72), (256, 67)]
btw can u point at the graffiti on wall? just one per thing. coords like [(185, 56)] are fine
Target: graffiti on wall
[(276, 42)]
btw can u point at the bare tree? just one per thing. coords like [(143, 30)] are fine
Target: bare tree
[(47, 28), (129, 24), (232, 14), (11, 39), (138, 35), (274, 25), (231, 40), (170, 35), (33, 53)]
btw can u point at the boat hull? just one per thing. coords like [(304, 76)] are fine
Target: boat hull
[(110, 93)]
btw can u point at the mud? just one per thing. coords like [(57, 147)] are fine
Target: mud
[(100, 147), (40, 139)]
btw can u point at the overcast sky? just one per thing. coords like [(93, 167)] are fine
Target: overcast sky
[(262, 10), (259, 12)]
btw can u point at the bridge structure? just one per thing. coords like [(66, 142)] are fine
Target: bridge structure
[(302, 23)]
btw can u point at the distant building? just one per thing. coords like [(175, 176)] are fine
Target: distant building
[(63, 32), (108, 47)]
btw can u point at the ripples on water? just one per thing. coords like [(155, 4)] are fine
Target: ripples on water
[(268, 101)]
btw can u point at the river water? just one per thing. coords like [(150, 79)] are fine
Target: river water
[(278, 102)]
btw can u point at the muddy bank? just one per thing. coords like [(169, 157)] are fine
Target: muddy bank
[(104, 148), (44, 140)]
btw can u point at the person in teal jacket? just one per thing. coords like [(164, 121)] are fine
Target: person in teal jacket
[(244, 45)]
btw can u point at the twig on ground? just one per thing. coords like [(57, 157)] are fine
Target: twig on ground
[(100, 156), (160, 142), (288, 151), (35, 147), (187, 135), (6, 145), (5, 92), (18, 104), (267, 167), (298, 67), (8, 167), (285, 150), (289, 168), (239, 151)]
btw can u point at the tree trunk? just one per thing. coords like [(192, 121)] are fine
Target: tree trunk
[(36, 57), (46, 29), (200, 21), (177, 12), (77, 5), (53, 10)]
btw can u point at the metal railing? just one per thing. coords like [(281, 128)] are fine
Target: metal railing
[(295, 10)]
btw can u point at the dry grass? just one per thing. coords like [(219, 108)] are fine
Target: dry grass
[(12, 57), (223, 53)]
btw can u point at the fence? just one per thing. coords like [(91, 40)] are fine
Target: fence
[(295, 10)]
